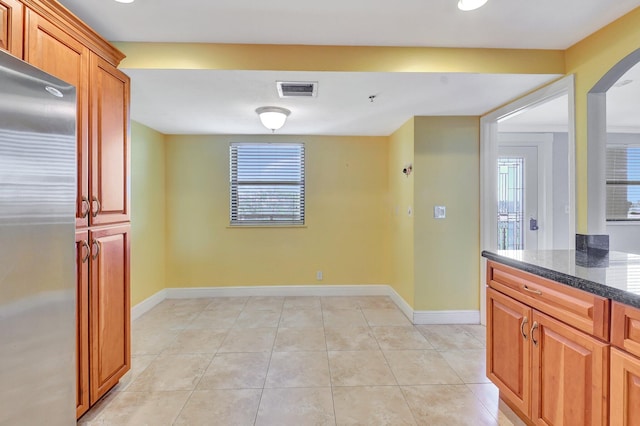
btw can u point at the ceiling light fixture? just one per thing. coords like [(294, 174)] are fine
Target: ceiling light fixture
[(467, 5), (273, 117), (125, 1)]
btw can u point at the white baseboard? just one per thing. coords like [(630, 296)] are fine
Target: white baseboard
[(416, 317), (446, 317), (285, 290), (402, 304), (147, 304)]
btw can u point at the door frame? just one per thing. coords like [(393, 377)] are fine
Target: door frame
[(489, 155)]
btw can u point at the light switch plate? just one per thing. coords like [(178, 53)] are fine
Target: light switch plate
[(439, 212)]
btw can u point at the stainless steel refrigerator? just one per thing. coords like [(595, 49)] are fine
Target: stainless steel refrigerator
[(37, 246)]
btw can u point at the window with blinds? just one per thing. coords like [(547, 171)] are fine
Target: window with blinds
[(267, 184), (623, 182)]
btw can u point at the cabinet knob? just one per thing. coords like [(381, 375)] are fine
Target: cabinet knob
[(534, 328), (86, 206), (95, 212), (524, 322)]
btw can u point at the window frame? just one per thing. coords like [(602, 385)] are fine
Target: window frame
[(619, 182), (298, 212)]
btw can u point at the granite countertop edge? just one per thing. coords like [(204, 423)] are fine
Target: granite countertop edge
[(589, 286)]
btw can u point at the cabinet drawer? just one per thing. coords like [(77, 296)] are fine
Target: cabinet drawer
[(625, 328), (584, 311)]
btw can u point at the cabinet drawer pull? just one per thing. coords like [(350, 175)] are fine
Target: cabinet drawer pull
[(534, 328), (524, 322), (85, 246), (531, 290), (97, 252), (99, 207), (86, 206)]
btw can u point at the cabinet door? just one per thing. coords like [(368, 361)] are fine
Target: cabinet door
[(109, 318), (569, 375), (56, 52), (508, 349), (83, 251), (11, 17), (110, 150), (625, 389)]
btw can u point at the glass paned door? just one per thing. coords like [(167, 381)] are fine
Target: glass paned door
[(510, 203)]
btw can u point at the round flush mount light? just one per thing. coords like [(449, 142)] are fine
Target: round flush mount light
[(125, 1), (273, 117), (467, 5)]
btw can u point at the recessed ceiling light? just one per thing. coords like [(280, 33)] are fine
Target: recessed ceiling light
[(467, 5), (125, 1)]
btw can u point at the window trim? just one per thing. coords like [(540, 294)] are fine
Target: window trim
[(616, 182)]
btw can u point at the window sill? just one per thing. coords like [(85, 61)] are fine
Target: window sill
[(624, 222), (264, 226)]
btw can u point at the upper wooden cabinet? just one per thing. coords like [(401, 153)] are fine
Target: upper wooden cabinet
[(53, 50), (110, 150), (11, 21)]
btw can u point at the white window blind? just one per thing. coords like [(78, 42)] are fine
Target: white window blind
[(267, 184), (623, 182)]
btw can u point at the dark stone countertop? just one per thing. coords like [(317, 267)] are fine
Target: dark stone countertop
[(616, 276)]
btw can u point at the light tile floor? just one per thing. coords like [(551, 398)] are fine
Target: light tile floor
[(300, 361)]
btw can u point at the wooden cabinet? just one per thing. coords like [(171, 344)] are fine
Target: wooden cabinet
[(110, 150), (548, 371), (83, 252), (11, 24), (508, 349), (55, 51), (625, 328), (109, 310), (625, 389), (60, 44), (570, 375)]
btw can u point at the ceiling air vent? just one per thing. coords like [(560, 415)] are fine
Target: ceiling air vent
[(297, 89)]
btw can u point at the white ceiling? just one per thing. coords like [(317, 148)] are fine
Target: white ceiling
[(226, 100), (540, 24), (223, 102), (623, 110)]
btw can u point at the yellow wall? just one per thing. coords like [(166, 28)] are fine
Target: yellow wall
[(147, 212), (447, 173), (346, 233), (589, 60), (270, 57), (401, 189)]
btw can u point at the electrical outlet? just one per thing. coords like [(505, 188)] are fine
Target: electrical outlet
[(319, 275)]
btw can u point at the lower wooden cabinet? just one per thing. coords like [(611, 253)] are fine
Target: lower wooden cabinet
[(83, 252), (569, 375), (549, 372), (625, 389), (109, 311), (103, 312), (508, 349)]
